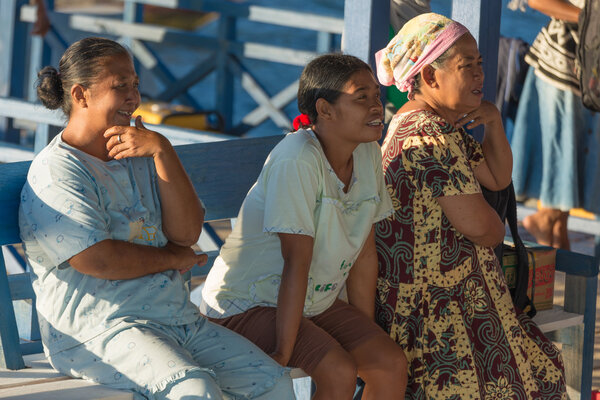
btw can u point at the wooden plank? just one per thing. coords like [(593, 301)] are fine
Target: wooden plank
[(38, 371), (223, 172), (556, 318), (259, 94), (14, 153), (10, 355), (280, 100), (12, 178), (576, 264), (366, 28), (482, 18), (71, 389), (20, 286), (256, 13)]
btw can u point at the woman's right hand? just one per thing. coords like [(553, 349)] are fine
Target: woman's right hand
[(135, 141), (185, 257)]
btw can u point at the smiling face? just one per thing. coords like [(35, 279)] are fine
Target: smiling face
[(460, 79), (114, 96), (358, 109)]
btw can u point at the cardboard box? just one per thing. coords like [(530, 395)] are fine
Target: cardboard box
[(542, 262)]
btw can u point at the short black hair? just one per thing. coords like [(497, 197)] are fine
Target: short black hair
[(325, 77)]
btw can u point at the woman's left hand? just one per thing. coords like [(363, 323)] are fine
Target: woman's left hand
[(486, 114), (134, 141)]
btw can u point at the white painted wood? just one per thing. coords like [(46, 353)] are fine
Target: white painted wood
[(259, 95), (14, 153), (38, 371), (556, 318), (72, 389), (280, 100), (12, 264), (296, 19)]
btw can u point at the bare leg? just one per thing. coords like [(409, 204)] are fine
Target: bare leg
[(560, 233), (541, 225), (382, 365), (335, 376)]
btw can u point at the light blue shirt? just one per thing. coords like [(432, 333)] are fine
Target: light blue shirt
[(71, 201)]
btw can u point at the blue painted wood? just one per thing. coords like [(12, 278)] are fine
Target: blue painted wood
[(162, 72), (39, 56), (20, 286), (366, 28), (13, 36), (10, 356), (589, 331), (30, 348), (197, 73), (325, 42), (12, 178), (576, 264), (253, 11), (482, 18), (226, 34)]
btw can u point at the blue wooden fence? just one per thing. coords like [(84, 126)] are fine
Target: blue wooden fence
[(226, 54)]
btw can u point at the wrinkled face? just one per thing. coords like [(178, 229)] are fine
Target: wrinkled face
[(359, 112), (114, 96), (460, 79)]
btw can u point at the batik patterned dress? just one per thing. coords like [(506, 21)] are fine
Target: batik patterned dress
[(441, 297)]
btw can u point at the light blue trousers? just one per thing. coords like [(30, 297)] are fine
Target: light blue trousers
[(196, 361)]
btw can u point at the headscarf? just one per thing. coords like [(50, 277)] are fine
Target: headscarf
[(420, 42)]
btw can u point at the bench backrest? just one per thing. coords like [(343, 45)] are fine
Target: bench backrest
[(222, 173)]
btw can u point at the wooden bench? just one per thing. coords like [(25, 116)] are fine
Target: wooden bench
[(222, 173)]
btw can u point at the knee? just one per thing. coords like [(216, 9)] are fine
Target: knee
[(345, 373), (336, 376), (395, 362), (386, 363)]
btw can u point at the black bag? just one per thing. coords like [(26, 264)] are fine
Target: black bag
[(587, 58), (505, 204)]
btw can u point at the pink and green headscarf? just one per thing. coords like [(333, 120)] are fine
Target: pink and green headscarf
[(420, 42)]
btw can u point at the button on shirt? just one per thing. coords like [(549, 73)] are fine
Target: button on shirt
[(297, 192), (71, 201)]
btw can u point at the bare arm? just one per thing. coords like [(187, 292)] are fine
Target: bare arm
[(182, 213), (117, 259), (558, 9), (472, 216), (496, 170), (297, 255), (362, 280)]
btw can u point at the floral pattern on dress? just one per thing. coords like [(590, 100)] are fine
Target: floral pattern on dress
[(442, 298)]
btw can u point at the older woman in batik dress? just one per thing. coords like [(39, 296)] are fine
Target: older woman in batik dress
[(441, 293)]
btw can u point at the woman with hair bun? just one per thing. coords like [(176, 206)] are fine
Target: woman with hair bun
[(108, 216)]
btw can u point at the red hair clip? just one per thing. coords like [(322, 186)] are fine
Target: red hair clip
[(301, 121)]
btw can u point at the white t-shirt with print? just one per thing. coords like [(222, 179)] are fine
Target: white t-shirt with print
[(297, 192)]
